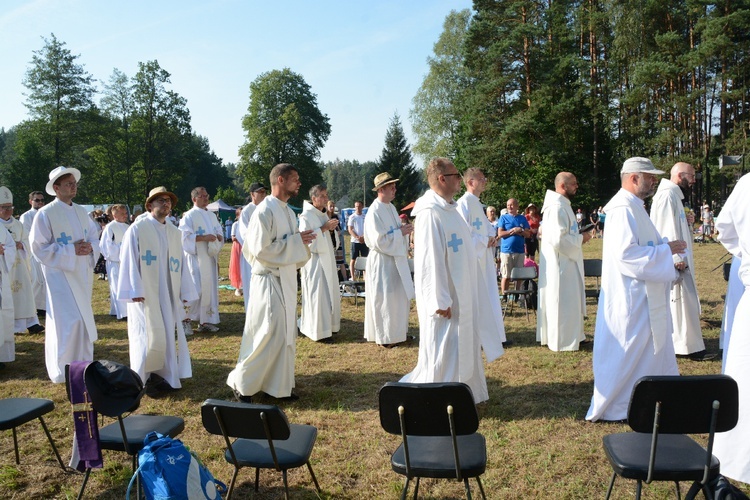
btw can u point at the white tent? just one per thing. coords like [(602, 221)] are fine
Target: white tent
[(220, 206)]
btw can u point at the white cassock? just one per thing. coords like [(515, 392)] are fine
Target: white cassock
[(7, 338), (321, 299), (70, 329), (490, 321), (735, 288), (388, 282), (732, 448), (110, 243), (275, 250), (20, 276), (152, 267), (668, 215), (633, 334), (202, 262), (445, 273), (562, 295), (245, 267), (37, 276)]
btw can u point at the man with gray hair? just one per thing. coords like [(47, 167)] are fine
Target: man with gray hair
[(671, 220), (321, 299), (632, 337)]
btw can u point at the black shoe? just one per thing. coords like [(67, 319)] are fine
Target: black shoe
[(507, 343), (291, 397), (701, 356), (2, 366), (36, 328), (41, 313), (241, 398), (327, 340)]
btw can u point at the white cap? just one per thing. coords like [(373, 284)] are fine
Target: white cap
[(5, 195), (640, 165)]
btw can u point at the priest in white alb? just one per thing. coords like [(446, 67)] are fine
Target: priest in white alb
[(670, 219), (445, 274), (276, 248), (257, 193), (633, 333), (155, 284), (66, 241), (484, 237), (388, 283), (110, 243), (202, 240), (732, 448), (562, 295), (321, 299), (36, 200), (23, 291), (7, 336)]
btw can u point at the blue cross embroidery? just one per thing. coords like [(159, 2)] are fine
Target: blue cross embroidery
[(650, 243), (148, 257), (391, 230), (200, 231), (455, 242), (64, 239), (477, 224)]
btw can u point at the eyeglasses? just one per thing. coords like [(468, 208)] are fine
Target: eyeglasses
[(38, 200), (69, 184), (162, 201), (6, 207), (451, 175)]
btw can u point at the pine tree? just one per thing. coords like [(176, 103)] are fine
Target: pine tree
[(396, 159)]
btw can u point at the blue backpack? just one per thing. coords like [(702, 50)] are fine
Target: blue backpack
[(169, 471)]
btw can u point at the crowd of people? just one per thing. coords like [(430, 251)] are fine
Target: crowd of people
[(163, 279)]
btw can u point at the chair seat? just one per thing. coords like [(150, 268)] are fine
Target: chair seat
[(136, 428), (678, 457), (432, 456), (291, 453), (17, 411)]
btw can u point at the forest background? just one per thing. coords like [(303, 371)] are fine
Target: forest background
[(520, 88)]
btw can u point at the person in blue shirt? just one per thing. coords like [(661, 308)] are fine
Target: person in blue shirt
[(512, 229)]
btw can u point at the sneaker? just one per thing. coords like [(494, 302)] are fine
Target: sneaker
[(238, 292), (187, 327), (207, 327)]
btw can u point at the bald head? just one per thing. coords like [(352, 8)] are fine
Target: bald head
[(566, 184), (682, 174)]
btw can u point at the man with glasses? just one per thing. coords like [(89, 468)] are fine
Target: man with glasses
[(633, 334), (36, 200), (445, 277), (673, 222), (202, 239), (155, 283), (25, 317), (66, 242)]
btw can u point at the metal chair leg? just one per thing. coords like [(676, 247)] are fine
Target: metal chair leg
[(54, 448), (416, 488), (15, 446), (286, 485), (231, 483), (638, 487), (468, 490), (406, 489), (257, 477), (611, 484), (481, 488), (85, 480), (677, 489), (315, 480)]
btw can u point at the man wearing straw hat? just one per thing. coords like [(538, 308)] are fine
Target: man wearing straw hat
[(155, 282), (388, 282), (66, 242)]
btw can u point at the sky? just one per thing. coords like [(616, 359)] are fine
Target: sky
[(365, 60)]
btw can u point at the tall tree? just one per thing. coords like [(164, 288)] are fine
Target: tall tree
[(396, 159), (438, 106), (160, 128), (283, 124), (350, 180), (60, 97)]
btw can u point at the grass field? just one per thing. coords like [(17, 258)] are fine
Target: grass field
[(539, 446)]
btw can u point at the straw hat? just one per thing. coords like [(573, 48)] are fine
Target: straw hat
[(158, 191), (383, 179)]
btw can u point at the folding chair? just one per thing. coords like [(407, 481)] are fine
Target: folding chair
[(592, 268), (438, 425), (662, 410), (114, 390), (355, 287), (264, 438), (17, 411), (520, 275)]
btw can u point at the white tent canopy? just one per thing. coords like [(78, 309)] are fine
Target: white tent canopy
[(219, 205)]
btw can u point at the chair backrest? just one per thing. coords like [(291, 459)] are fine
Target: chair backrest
[(686, 403), (360, 264), (425, 408), (243, 420), (523, 273), (592, 267)]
